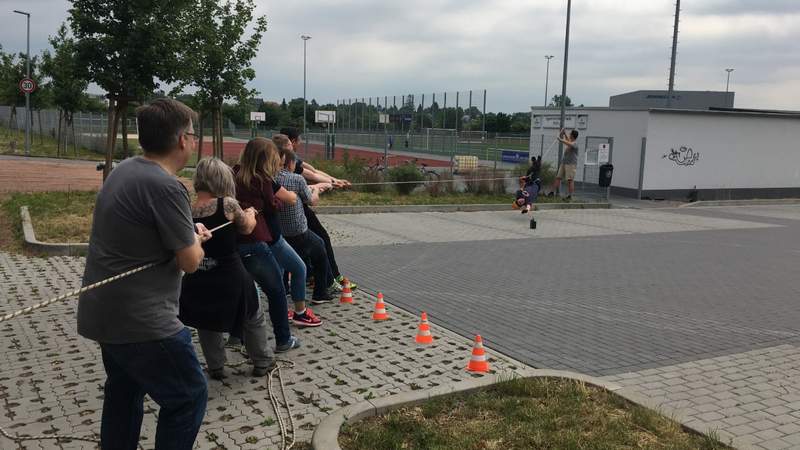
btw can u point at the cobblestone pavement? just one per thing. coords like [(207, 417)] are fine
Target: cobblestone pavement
[(51, 380), (697, 302)]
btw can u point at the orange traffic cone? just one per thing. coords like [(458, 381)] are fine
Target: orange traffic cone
[(380, 309), (424, 333), (347, 294), (478, 362)]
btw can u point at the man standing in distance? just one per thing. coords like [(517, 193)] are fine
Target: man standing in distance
[(569, 163), (142, 216)]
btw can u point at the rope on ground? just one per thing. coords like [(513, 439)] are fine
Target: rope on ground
[(280, 363)]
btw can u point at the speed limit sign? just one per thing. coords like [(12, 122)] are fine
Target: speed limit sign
[(27, 85)]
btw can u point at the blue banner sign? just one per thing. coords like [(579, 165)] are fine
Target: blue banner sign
[(513, 156)]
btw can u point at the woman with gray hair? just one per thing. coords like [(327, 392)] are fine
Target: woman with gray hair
[(221, 296)]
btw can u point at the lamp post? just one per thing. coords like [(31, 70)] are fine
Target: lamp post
[(27, 94), (728, 82), (305, 136), (547, 78)]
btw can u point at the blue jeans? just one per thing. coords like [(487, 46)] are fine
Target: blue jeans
[(168, 371), (290, 262), (311, 247), (259, 260)]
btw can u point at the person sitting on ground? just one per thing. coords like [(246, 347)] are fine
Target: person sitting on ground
[(221, 296), (295, 228), (142, 216), (569, 163), (256, 187), (313, 176)]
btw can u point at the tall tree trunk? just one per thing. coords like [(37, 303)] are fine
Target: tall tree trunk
[(124, 119), (200, 135), (58, 136), (12, 118), (213, 132), (110, 132), (41, 132), (74, 140)]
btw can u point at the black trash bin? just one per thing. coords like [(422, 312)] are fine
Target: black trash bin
[(606, 172)]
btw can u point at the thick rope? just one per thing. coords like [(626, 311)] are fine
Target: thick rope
[(62, 437), (432, 181)]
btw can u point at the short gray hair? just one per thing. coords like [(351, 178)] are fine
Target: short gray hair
[(215, 177)]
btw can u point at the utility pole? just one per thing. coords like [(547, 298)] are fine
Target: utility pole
[(564, 81), (728, 83), (305, 123), (547, 78), (27, 94), (671, 88)]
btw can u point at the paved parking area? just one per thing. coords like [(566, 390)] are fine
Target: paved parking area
[(51, 379), (630, 295)]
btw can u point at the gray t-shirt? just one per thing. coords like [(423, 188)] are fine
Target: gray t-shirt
[(142, 215), (570, 155)]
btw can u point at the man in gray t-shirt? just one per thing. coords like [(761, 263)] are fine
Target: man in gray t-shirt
[(142, 216), (569, 163)]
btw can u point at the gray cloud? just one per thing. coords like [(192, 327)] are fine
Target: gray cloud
[(364, 48)]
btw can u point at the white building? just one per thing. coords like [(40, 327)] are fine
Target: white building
[(717, 153)]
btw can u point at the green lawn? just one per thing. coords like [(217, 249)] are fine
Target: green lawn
[(45, 146), (524, 414), (56, 216)]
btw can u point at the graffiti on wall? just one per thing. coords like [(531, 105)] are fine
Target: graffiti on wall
[(684, 156)]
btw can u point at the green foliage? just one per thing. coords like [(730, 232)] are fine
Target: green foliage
[(556, 101), (217, 56), (126, 46), (482, 181), (445, 185), (408, 175), (67, 76)]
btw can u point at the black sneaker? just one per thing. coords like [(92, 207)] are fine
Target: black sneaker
[(551, 194), (568, 198), (217, 374), (325, 298), (289, 345)]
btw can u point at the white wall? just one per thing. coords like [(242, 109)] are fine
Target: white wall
[(735, 151), (626, 127)]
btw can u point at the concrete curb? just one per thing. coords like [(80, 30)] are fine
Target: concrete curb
[(326, 435), (754, 202), (51, 249), (367, 209)]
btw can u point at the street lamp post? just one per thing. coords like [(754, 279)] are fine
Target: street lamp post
[(547, 78), (305, 135), (728, 82), (27, 94)]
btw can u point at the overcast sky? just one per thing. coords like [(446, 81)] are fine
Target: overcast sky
[(363, 48)]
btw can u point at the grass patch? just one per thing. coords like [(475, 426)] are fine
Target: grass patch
[(537, 413), (45, 146), (56, 216), (348, 198)]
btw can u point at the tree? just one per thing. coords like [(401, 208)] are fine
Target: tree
[(217, 57), (127, 48), (68, 82), (556, 102), (275, 114)]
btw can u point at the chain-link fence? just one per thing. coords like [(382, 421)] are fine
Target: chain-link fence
[(443, 123), (87, 131)]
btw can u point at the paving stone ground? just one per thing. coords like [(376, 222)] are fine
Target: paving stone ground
[(51, 380), (696, 304)]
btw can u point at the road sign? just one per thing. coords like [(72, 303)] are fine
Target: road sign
[(258, 116), (27, 85), (325, 117), (603, 153)]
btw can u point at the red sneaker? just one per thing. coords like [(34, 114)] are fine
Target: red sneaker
[(307, 319)]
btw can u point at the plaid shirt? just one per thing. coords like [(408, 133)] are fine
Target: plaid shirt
[(293, 220)]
